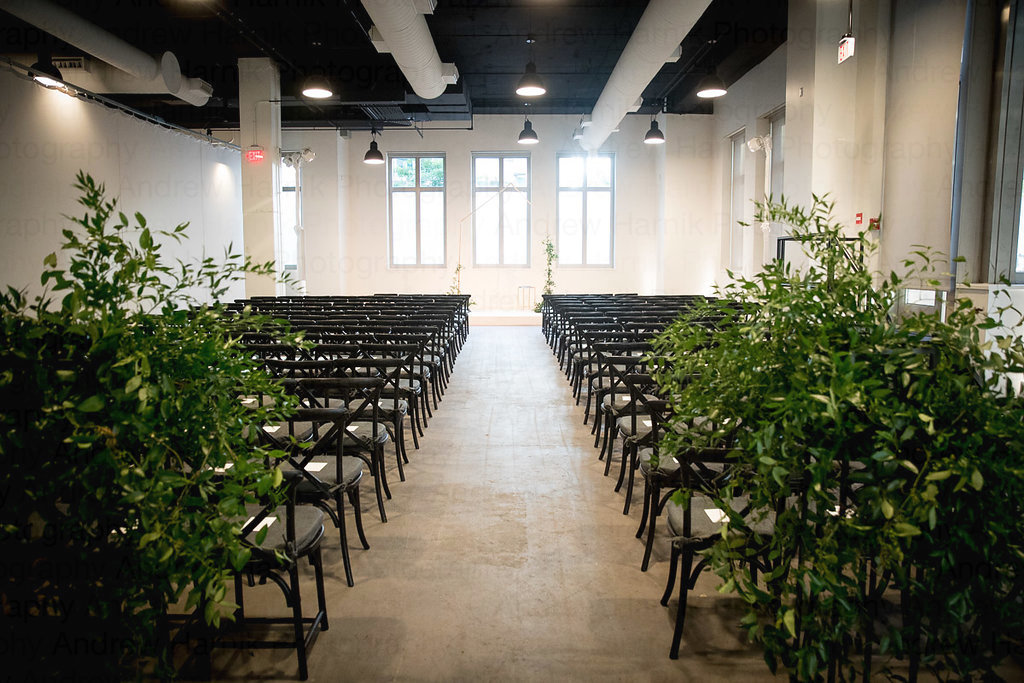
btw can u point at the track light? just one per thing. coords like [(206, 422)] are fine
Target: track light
[(317, 87), (711, 86), (45, 73), (373, 155), (654, 135)]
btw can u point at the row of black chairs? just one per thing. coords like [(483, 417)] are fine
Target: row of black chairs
[(363, 368)]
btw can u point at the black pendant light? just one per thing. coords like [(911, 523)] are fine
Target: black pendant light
[(530, 85), (711, 86), (45, 73), (317, 87), (373, 156), (654, 135), (528, 136)]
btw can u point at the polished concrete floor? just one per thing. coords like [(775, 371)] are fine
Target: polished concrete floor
[(506, 555)]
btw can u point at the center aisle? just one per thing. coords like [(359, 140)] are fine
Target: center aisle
[(506, 555)]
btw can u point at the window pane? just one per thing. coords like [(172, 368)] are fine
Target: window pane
[(570, 172), (570, 227), (599, 172), (515, 232), (486, 222), (486, 172), (432, 228), (599, 228), (403, 172), (287, 176), (403, 228), (431, 172), (515, 171), (289, 234), (736, 203), (1020, 234)]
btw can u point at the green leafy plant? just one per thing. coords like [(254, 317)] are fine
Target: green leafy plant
[(889, 454), (549, 279), (127, 453)]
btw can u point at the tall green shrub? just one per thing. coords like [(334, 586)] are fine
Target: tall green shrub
[(817, 384), (120, 398)]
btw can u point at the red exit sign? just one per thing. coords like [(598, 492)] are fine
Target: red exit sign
[(845, 48), (254, 155)]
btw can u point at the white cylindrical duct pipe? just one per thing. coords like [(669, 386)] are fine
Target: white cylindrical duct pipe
[(408, 39), (74, 30), (87, 37), (662, 27)]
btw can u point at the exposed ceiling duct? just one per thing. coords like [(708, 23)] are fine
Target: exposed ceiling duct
[(399, 28), (656, 39), (154, 75)]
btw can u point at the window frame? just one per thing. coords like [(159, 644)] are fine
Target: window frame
[(299, 271), (1008, 185), (417, 189), (501, 156), (585, 189)]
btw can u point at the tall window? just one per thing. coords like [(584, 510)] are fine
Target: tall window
[(416, 185), (586, 210), (291, 220), (737, 143), (501, 218), (777, 129)]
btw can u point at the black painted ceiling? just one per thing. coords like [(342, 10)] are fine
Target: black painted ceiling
[(578, 43)]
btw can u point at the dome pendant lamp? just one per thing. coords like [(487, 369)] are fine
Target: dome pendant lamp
[(45, 73), (528, 136), (317, 88), (711, 86), (373, 156), (530, 85), (654, 135)]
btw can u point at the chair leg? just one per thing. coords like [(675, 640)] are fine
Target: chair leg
[(626, 450), (412, 427), (316, 561), (353, 498), (670, 584), (397, 429), (647, 508), (634, 458), (611, 436), (655, 504), (300, 638), (339, 501), (685, 583)]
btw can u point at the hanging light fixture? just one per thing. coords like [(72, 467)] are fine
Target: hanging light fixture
[(373, 156), (45, 73), (530, 85), (711, 86), (654, 135), (316, 87), (528, 136)]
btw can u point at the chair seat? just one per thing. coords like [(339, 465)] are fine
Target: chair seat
[(360, 435), (324, 469), (666, 464), (625, 427), (706, 519), (309, 528), (387, 406)]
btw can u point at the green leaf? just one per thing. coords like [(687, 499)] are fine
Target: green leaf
[(789, 620), (146, 239), (261, 535), (905, 529), (278, 476), (50, 260), (887, 509), (977, 481), (938, 476), (92, 404), (132, 384)]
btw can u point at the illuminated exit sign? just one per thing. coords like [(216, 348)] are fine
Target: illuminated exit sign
[(845, 48), (254, 154)]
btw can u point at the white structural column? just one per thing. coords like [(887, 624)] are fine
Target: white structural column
[(259, 107)]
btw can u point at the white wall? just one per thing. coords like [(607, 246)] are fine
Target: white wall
[(637, 220), (46, 137)]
